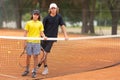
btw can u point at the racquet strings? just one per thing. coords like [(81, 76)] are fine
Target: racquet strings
[(23, 55)]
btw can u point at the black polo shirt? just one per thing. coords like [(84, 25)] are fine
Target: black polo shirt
[(51, 25)]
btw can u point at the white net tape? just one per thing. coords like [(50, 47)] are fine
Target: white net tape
[(71, 38)]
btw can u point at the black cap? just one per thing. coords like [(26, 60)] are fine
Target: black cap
[(35, 12)]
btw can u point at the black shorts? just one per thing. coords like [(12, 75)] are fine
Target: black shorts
[(47, 45)]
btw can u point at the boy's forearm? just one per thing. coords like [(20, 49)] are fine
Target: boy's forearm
[(25, 33), (64, 30), (42, 34)]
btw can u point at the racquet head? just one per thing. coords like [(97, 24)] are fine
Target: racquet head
[(22, 58)]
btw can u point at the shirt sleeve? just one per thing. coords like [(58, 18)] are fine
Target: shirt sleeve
[(26, 26), (61, 22)]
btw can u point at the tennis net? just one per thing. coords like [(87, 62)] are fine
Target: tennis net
[(78, 54)]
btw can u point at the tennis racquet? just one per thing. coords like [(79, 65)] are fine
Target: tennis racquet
[(22, 58), (43, 57)]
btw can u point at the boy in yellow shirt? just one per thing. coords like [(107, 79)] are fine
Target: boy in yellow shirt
[(33, 28)]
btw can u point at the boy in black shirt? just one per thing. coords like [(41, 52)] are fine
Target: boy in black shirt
[(51, 24)]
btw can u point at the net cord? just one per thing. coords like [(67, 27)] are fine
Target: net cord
[(71, 38)]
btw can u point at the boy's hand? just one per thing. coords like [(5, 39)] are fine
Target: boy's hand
[(66, 38), (45, 38)]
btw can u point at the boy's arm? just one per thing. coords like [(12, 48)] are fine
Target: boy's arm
[(25, 35), (64, 31), (43, 35)]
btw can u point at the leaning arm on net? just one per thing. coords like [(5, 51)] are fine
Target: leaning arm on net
[(64, 31)]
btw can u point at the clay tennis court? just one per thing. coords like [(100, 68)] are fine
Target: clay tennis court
[(95, 59)]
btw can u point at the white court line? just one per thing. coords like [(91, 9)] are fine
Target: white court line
[(9, 76), (104, 60)]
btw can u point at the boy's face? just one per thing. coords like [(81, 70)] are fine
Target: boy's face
[(53, 10), (35, 16)]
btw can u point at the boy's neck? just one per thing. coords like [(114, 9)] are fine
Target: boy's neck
[(35, 20), (53, 14)]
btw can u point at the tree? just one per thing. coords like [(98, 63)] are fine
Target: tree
[(92, 16), (18, 13), (21, 8), (114, 7), (85, 11), (3, 12), (88, 13)]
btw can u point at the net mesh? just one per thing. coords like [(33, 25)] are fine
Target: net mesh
[(79, 54)]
